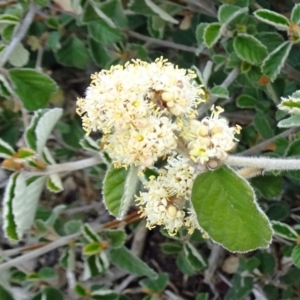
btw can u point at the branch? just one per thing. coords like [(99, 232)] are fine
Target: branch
[(19, 35), (226, 83), (265, 163), (35, 253), (62, 241), (70, 166), (167, 44), (264, 145)]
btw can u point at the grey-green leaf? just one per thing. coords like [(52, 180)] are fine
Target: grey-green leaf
[(292, 121), (295, 15)]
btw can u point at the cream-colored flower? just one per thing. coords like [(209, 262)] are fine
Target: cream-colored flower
[(210, 138), (164, 200), (136, 106)]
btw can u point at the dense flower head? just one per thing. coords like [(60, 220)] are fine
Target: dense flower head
[(166, 195), (209, 139), (148, 111), (136, 107)]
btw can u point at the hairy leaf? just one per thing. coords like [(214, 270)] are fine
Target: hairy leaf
[(226, 209)]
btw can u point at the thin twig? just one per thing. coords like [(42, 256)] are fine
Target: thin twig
[(226, 83), (70, 166), (19, 35), (62, 241), (167, 44), (264, 145)]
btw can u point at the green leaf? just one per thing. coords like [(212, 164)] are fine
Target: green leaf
[(19, 57), (246, 101), (272, 18), (296, 256), (202, 296), (212, 34), (269, 185), (103, 33), (184, 265), (219, 92), (140, 7), (291, 104), (275, 60), (271, 40), (284, 231), (7, 33), (249, 49), (292, 277), (67, 259), (160, 12), (47, 273), (124, 259), (278, 211), (92, 248), (267, 262), (263, 126), (295, 15), (50, 293), (6, 150), (33, 88), (4, 294), (200, 32), (72, 226), (73, 53), (194, 257), (94, 265), (119, 187), (100, 55), (158, 285), (9, 19), (80, 290), (20, 204), (89, 233), (89, 144), (226, 209), (5, 87), (114, 10), (53, 41), (40, 127), (52, 23), (110, 11), (228, 13), (292, 121), (116, 237), (54, 183), (170, 248)]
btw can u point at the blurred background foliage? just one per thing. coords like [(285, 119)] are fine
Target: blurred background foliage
[(245, 65)]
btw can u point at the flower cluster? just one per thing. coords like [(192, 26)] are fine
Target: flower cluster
[(136, 107), (148, 111), (210, 139), (166, 196)]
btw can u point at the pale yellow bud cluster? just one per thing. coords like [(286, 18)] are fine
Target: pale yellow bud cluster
[(136, 107), (166, 196), (210, 139)]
